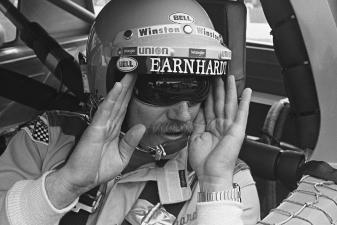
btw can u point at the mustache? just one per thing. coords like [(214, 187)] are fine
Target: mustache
[(171, 127)]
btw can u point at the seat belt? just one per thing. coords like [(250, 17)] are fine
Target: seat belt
[(89, 202)]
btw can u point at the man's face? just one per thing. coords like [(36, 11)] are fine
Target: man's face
[(163, 124)]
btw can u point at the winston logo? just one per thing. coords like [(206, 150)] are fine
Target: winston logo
[(157, 30), (204, 31)]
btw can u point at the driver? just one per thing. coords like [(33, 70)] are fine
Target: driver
[(162, 70)]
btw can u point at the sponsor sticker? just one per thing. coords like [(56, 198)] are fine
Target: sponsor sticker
[(197, 53), (158, 51), (225, 55), (151, 50), (146, 51), (181, 18), (158, 30), (126, 64), (207, 32), (179, 29), (129, 51)]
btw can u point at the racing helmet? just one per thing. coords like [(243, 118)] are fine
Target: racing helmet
[(170, 44)]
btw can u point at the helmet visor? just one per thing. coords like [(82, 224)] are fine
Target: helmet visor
[(169, 90)]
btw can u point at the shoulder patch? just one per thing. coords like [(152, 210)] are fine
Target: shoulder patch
[(37, 130)]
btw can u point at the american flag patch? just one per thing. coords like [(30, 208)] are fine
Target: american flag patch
[(38, 130)]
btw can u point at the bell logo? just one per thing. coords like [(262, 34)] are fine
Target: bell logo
[(126, 64), (181, 18)]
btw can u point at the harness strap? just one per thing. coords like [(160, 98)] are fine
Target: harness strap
[(150, 193)]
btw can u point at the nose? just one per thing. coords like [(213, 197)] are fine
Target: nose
[(179, 111)]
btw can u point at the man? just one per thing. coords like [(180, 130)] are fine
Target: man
[(146, 58)]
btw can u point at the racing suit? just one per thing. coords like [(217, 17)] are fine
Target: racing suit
[(43, 145)]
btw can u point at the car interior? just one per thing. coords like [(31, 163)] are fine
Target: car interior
[(293, 110)]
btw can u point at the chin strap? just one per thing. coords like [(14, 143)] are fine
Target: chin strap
[(159, 151)]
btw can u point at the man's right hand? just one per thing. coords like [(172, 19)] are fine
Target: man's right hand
[(100, 155)]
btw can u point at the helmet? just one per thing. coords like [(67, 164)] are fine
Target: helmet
[(153, 37)]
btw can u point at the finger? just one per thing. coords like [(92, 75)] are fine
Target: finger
[(104, 110), (242, 114), (124, 98), (128, 88), (219, 96), (199, 123), (130, 140), (231, 105), (125, 103), (208, 106)]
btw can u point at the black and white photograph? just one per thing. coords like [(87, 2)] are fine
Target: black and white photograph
[(168, 112)]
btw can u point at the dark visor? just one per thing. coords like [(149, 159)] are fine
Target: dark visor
[(168, 90)]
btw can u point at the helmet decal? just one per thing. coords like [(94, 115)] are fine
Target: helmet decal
[(181, 18), (225, 54), (159, 29), (179, 51), (172, 65), (207, 32), (188, 66), (127, 51), (166, 29), (197, 53), (145, 51), (157, 51), (126, 64)]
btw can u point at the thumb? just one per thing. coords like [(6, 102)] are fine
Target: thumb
[(130, 140)]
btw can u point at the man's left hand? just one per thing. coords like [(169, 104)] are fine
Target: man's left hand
[(219, 131)]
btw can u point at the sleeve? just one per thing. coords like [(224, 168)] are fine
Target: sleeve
[(229, 212), (27, 203), (249, 197), (23, 199), (219, 213)]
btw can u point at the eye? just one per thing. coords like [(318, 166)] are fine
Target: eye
[(192, 103)]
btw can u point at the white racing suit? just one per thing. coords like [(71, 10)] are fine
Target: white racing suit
[(44, 144)]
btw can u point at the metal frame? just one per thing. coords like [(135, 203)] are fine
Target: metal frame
[(75, 10)]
